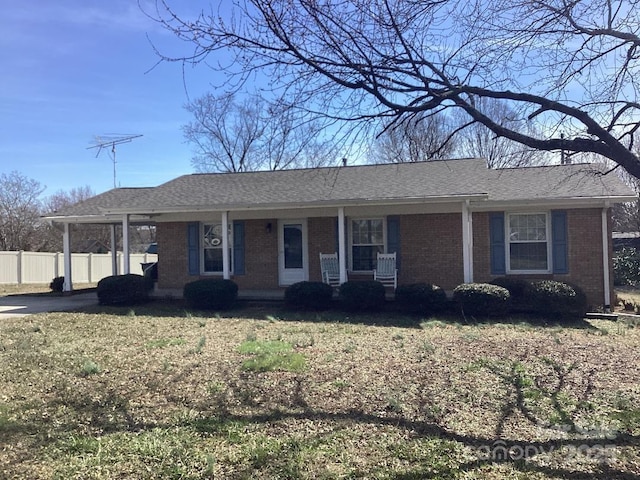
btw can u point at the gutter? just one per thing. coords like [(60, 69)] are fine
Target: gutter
[(288, 206)]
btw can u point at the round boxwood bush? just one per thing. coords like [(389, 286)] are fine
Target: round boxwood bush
[(57, 284), (309, 295), (211, 294), (126, 289), (518, 288), (482, 299), (362, 296), (557, 300), (422, 298)]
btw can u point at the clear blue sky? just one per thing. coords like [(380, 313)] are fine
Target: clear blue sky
[(72, 69)]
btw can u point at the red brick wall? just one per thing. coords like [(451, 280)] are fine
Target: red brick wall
[(260, 255), (431, 249), (173, 266), (585, 252), (322, 239)]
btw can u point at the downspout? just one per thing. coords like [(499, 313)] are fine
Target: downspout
[(605, 258), (226, 271), (467, 243), (342, 248), (66, 248)]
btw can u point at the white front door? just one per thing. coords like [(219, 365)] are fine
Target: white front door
[(293, 255)]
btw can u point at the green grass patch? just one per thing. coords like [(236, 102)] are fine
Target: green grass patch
[(89, 367), (260, 347), (165, 342), (268, 362)]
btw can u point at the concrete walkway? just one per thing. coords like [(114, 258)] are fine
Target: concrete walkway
[(22, 305)]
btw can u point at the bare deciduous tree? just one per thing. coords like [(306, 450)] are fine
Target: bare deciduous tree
[(20, 207), (565, 66), (418, 138), (478, 141), (252, 135)]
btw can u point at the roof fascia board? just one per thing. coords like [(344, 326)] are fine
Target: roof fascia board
[(569, 202), (287, 206), (97, 219)]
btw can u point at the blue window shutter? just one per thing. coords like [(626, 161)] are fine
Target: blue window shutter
[(238, 247), (393, 237), (497, 242), (560, 245), (193, 247)]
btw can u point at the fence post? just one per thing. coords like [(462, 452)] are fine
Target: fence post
[(20, 267), (90, 272)]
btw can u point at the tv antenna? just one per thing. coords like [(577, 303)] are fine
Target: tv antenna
[(111, 140)]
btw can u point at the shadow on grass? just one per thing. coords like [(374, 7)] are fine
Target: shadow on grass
[(97, 407), (51, 294), (390, 316)]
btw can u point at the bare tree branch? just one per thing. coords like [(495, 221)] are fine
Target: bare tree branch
[(564, 66)]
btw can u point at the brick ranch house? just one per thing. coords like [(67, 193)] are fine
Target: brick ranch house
[(449, 221)]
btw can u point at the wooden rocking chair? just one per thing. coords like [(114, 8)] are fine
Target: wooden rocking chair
[(386, 271), (330, 268)]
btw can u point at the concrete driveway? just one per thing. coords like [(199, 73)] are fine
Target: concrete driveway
[(22, 305)]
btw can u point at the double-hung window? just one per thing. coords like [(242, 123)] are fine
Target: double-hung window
[(367, 240), (212, 247), (528, 242)]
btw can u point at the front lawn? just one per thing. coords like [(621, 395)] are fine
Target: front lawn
[(263, 394)]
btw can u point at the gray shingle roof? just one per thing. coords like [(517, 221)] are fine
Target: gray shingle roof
[(116, 198), (319, 185), (354, 184), (554, 182)]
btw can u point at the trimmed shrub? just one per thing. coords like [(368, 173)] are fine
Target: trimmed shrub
[(626, 266), (557, 299), (362, 296), (211, 294), (309, 295), (482, 299), (517, 290), (123, 290), (422, 298), (57, 284)]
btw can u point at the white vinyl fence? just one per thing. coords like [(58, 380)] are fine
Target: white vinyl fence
[(39, 267)]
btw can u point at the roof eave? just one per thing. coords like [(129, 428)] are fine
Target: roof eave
[(96, 219), (289, 205), (559, 202)]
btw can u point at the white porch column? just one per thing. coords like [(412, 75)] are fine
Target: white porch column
[(467, 243), (226, 270), (605, 258), (114, 251), (125, 245), (342, 248), (66, 249)]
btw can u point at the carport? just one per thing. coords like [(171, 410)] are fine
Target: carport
[(92, 211)]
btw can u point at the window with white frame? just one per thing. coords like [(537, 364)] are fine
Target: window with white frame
[(528, 242), (367, 239), (212, 247)]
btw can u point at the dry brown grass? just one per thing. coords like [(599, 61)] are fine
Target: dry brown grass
[(163, 394), (13, 289)]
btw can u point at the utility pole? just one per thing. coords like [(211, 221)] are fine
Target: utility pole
[(111, 139)]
